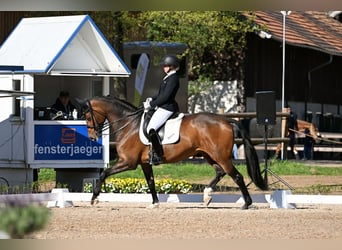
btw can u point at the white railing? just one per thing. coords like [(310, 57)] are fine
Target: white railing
[(60, 197)]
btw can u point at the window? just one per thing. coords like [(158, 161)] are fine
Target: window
[(97, 87)]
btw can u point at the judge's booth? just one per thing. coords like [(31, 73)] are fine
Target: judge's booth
[(53, 54)]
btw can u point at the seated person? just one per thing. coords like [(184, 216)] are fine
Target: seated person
[(62, 108)]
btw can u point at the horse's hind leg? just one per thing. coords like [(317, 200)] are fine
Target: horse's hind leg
[(209, 189), (219, 175), (238, 179)]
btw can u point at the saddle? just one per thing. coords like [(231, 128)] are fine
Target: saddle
[(168, 133)]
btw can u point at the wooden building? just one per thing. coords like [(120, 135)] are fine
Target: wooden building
[(313, 60)]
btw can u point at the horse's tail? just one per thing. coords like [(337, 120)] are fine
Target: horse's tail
[(252, 160)]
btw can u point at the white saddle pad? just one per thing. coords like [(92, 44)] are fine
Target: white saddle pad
[(171, 131)]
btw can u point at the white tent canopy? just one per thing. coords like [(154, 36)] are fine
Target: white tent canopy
[(61, 45)]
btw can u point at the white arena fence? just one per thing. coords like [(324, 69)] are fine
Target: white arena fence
[(60, 197)]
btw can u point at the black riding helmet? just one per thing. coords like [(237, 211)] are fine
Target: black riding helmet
[(170, 60)]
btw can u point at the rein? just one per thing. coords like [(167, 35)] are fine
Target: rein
[(102, 127), (107, 125)]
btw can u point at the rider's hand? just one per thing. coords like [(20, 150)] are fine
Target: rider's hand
[(147, 105)]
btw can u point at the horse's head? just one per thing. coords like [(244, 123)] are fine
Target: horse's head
[(99, 109), (95, 118)]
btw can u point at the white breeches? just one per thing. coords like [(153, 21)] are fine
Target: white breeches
[(158, 119)]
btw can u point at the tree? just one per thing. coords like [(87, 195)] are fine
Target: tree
[(216, 41), (213, 37)]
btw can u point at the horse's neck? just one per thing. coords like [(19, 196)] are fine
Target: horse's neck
[(114, 119)]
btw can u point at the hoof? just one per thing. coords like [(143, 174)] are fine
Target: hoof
[(207, 200), (152, 206), (94, 201), (246, 206), (207, 196)]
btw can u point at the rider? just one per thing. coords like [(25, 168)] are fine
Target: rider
[(163, 104)]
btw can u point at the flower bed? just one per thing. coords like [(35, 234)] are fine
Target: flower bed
[(135, 185)]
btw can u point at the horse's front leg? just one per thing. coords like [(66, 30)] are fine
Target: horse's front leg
[(148, 172), (117, 168)]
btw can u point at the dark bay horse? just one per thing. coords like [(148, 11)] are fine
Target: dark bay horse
[(206, 134)]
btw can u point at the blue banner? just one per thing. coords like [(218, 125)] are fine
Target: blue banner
[(65, 142)]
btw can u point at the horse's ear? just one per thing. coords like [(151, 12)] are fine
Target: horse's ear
[(82, 104)]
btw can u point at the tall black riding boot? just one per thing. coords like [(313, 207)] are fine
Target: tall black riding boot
[(157, 154)]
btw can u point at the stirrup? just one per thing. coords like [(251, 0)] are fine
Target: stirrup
[(155, 159)]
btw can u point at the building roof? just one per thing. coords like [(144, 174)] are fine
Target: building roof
[(61, 45), (154, 44), (309, 29)]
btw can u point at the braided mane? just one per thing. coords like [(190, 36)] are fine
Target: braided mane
[(123, 108), (118, 103)]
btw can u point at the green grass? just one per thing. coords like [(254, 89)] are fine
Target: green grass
[(194, 172), (296, 168), (176, 171)]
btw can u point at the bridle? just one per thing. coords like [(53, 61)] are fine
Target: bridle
[(100, 127)]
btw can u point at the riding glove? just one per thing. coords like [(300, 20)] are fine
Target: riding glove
[(147, 104)]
